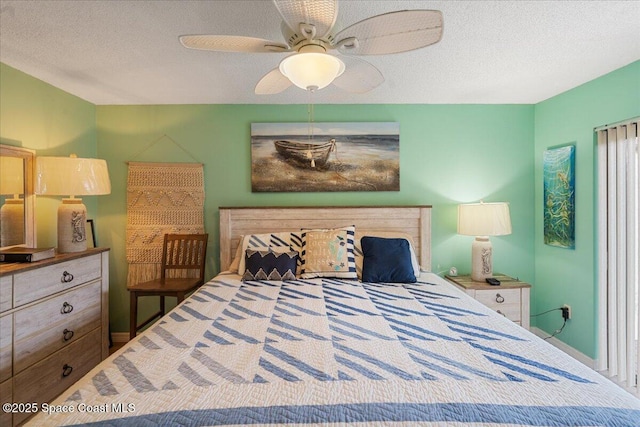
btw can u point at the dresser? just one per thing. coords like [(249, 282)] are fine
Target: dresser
[(54, 327), (511, 298)]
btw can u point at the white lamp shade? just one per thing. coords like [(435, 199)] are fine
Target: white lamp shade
[(71, 176), (484, 219), (11, 175), (311, 69)]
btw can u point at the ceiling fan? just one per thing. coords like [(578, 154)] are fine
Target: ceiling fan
[(308, 30)]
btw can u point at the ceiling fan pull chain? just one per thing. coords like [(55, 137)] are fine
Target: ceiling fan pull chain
[(311, 92), (310, 129)]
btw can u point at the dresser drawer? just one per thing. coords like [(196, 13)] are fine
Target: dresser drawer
[(54, 323), (6, 396), (48, 378), (6, 342), (6, 293), (35, 284), (505, 301)]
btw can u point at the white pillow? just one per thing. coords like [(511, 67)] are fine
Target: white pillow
[(235, 263)]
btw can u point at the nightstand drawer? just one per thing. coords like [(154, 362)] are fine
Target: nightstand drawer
[(499, 297), (55, 323), (510, 311), (35, 284), (504, 301)]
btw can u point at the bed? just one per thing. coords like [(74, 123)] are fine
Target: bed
[(334, 350)]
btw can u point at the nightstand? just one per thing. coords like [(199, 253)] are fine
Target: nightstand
[(510, 298)]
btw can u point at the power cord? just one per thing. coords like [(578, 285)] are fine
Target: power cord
[(557, 331), (545, 312), (565, 317)]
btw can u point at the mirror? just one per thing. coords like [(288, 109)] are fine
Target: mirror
[(17, 201)]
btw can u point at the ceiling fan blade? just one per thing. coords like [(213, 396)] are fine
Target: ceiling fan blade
[(359, 76), (391, 33), (232, 43), (321, 13), (273, 82)]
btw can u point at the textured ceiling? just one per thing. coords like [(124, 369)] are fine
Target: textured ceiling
[(127, 52)]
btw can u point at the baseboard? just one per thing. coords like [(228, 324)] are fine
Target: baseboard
[(580, 357), (120, 337)]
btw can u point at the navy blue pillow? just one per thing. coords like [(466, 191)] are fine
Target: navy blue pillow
[(386, 260), (270, 265)]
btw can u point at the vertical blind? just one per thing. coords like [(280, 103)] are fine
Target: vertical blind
[(618, 265)]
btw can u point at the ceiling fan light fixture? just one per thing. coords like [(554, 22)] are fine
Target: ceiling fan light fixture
[(309, 70)]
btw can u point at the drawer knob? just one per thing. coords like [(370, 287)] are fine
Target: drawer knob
[(67, 334), (66, 370), (66, 308), (499, 299), (66, 277)]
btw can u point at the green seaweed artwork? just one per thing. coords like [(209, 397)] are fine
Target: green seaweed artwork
[(559, 196)]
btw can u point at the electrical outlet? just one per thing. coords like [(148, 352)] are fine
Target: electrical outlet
[(566, 312)]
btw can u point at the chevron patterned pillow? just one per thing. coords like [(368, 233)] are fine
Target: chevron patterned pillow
[(277, 242), (270, 265)]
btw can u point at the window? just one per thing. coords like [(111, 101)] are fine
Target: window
[(618, 344)]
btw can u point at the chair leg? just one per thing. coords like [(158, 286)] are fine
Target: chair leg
[(180, 297), (162, 305), (133, 313)]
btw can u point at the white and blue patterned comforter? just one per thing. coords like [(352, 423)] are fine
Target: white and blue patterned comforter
[(340, 352)]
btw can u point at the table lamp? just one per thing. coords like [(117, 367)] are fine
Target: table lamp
[(483, 220), (12, 211), (72, 176)]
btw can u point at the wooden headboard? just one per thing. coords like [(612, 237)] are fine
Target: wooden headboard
[(238, 221)]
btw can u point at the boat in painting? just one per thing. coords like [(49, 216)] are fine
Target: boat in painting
[(305, 154)]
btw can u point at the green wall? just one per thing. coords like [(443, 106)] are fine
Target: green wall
[(564, 276), (36, 115), (448, 154)]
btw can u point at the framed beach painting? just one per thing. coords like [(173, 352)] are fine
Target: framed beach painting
[(559, 196), (303, 157)]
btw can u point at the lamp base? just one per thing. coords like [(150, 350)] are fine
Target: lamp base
[(72, 220), (481, 259), (12, 222)]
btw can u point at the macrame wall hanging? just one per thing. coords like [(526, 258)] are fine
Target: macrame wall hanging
[(161, 198)]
